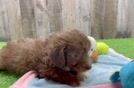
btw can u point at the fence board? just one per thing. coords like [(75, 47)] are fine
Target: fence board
[(97, 18), (110, 18), (69, 14), (83, 16), (122, 18), (28, 18), (4, 31), (54, 9), (131, 19), (14, 18), (41, 18)]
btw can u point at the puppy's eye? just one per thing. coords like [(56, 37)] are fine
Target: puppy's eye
[(91, 49)]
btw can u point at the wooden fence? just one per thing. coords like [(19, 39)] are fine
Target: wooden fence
[(36, 18)]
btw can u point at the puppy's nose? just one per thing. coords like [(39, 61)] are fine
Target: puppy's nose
[(74, 72), (88, 67)]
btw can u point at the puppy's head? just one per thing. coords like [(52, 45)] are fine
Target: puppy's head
[(70, 51)]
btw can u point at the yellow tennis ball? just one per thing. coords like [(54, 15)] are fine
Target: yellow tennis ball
[(102, 48)]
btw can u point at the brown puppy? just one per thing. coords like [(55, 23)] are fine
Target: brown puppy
[(62, 57)]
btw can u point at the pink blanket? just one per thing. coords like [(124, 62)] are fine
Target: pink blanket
[(24, 80)]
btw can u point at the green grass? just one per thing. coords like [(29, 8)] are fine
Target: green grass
[(7, 79), (123, 46)]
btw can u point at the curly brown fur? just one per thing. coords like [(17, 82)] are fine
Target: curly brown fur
[(62, 57)]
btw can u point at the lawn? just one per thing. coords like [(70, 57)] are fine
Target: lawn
[(123, 46)]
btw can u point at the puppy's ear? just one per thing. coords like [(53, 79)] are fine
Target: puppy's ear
[(57, 57)]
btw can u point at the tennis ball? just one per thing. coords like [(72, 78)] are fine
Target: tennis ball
[(102, 48), (2, 44)]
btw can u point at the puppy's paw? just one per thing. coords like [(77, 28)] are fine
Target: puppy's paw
[(74, 85), (73, 81), (81, 77)]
